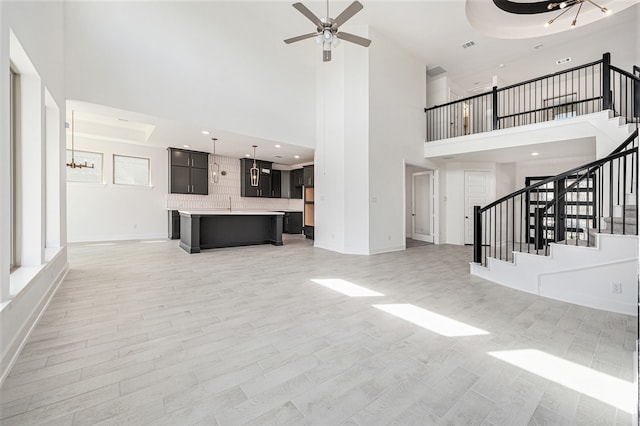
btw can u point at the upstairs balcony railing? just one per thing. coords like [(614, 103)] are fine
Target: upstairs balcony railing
[(585, 89)]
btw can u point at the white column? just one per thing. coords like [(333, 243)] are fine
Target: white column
[(341, 158), (53, 165)]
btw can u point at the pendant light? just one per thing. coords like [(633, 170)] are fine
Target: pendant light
[(215, 167), (255, 173), (73, 163)]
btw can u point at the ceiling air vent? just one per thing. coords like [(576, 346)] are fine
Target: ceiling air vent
[(563, 61), (435, 71), (468, 44)]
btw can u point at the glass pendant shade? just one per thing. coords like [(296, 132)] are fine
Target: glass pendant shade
[(214, 167), (255, 175), (215, 172), (254, 172)]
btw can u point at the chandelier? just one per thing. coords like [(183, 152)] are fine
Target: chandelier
[(73, 163), (565, 6)]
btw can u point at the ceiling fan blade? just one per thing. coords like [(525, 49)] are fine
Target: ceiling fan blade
[(346, 14), (326, 55), (309, 14), (300, 37), (354, 39)]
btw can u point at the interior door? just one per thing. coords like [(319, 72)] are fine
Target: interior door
[(422, 206), (476, 193)]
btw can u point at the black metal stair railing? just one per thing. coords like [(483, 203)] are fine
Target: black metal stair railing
[(562, 208), (581, 90)]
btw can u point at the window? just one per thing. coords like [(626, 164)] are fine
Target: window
[(85, 174), (130, 170), (13, 162)]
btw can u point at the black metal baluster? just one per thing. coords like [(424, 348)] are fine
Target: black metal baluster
[(521, 216), (513, 226), (624, 194), (611, 195)]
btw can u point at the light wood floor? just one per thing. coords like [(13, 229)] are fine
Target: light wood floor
[(144, 333)]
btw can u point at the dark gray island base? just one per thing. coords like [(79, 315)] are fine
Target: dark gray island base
[(200, 230)]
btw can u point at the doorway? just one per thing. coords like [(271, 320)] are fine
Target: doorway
[(422, 206), (477, 192)]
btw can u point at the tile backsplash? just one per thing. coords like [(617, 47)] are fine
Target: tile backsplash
[(229, 186)]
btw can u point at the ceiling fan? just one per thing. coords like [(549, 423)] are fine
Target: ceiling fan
[(327, 32)]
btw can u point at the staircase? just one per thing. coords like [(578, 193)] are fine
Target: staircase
[(566, 249)]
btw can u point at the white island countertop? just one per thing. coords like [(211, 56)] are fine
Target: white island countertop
[(224, 212)]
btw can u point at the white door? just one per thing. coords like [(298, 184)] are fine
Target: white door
[(476, 193), (422, 213)]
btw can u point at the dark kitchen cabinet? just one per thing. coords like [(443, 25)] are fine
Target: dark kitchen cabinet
[(188, 172), (276, 184), (174, 225), (264, 181), (308, 175), (296, 182), (292, 223)]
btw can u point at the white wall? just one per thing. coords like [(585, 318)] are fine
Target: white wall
[(342, 151), (38, 30), (103, 212), (548, 167), (370, 124), (396, 132), (194, 64), (506, 179)]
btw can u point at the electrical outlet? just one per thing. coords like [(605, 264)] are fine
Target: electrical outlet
[(616, 288)]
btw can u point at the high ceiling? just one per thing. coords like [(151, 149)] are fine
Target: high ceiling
[(432, 30)]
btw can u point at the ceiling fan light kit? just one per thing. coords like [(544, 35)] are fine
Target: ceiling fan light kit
[(327, 29)]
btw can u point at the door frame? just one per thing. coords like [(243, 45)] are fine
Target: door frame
[(427, 238), (436, 197)]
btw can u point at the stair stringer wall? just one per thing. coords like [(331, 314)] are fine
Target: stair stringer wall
[(580, 275)]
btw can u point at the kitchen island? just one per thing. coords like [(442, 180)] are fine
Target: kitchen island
[(206, 229)]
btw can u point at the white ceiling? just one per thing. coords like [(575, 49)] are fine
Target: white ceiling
[(432, 30), (113, 125)]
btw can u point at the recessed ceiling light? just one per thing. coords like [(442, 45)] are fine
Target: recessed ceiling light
[(501, 66), (277, 146), (296, 156), (247, 155), (538, 46), (277, 156), (186, 146), (206, 132), (535, 153)]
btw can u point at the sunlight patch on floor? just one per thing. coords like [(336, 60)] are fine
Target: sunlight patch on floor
[(437, 323), (347, 288), (608, 389)]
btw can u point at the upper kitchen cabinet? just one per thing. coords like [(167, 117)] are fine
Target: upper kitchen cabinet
[(188, 172), (308, 175), (264, 181), (295, 183), (276, 184)]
